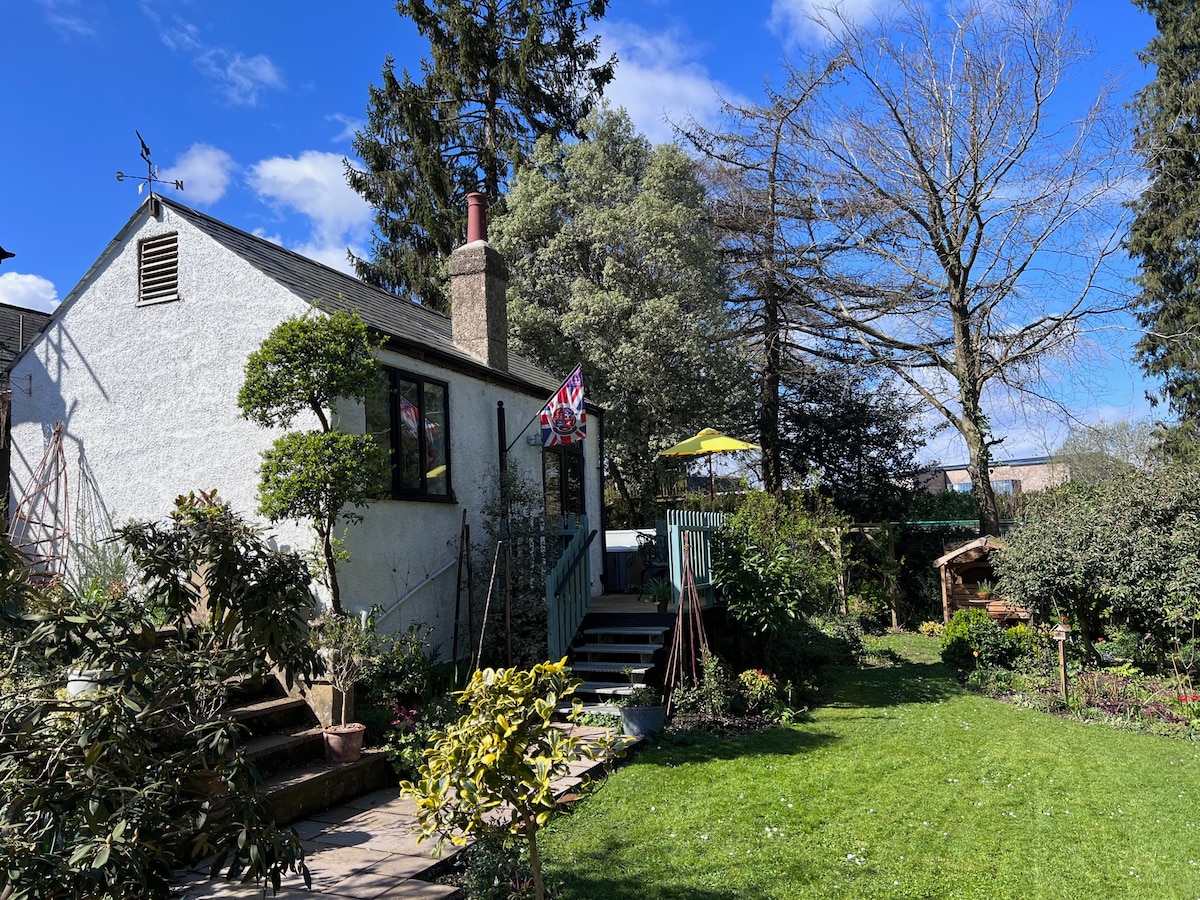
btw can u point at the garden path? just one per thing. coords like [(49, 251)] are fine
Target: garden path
[(368, 850)]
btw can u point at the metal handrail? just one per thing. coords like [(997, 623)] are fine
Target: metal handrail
[(424, 584)]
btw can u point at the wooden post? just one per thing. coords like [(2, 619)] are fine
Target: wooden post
[(1060, 633), (508, 604), (1062, 669)]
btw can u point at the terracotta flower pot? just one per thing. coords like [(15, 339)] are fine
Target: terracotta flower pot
[(344, 743)]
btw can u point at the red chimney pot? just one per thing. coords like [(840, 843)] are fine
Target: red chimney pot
[(476, 217)]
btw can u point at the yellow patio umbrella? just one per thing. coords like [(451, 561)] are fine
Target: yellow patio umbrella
[(706, 443)]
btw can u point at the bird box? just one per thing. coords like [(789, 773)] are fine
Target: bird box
[(1061, 631)]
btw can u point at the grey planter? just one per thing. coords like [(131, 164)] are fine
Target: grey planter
[(642, 721)]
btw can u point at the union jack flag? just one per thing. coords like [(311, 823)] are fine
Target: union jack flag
[(563, 418)]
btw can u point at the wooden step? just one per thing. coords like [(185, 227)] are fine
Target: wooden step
[(610, 689), (615, 648), (647, 631), (623, 668)]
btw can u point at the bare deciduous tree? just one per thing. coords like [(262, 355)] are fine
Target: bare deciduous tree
[(983, 209)]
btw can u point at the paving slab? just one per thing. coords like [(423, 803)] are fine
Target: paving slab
[(367, 849)]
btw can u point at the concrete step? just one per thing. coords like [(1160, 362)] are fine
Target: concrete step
[(280, 751), (270, 714), (321, 785)]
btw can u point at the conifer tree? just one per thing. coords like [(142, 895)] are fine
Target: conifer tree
[(500, 74), (1165, 234)]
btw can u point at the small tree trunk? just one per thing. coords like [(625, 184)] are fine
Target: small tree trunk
[(535, 861), (335, 594)]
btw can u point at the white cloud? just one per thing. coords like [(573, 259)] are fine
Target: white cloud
[(795, 20), (28, 291), (241, 77), (659, 81), (314, 184), (350, 127), (205, 172), (62, 17)]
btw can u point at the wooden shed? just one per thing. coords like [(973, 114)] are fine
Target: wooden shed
[(967, 576)]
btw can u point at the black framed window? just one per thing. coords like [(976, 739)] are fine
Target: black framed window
[(410, 416), (562, 479)]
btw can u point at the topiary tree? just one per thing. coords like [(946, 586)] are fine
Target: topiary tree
[(310, 363), (492, 772)]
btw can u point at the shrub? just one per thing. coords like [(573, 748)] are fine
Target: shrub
[(972, 638), (760, 691), (492, 771), (101, 798), (931, 629), (708, 704)]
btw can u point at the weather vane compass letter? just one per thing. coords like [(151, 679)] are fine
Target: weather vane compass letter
[(151, 177)]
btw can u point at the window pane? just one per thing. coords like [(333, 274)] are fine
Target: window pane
[(437, 473), (552, 482), (573, 495), (379, 424), (408, 448)]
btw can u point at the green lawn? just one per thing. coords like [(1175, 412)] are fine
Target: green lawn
[(901, 786)]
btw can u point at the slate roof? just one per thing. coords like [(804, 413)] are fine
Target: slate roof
[(18, 326), (405, 323)]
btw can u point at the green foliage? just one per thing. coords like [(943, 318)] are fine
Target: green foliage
[(932, 629), (497, 870), (316, 474), (496, 78), (309, 363), (1163, 238), (491, 772), (973, 638), (614, 264), (1119, 551), (760, 691), (402, 667), (850, 432), (103, 790), (772, 561), (707, 704)]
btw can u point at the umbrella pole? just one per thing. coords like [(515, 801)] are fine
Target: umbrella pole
[(712, 490)]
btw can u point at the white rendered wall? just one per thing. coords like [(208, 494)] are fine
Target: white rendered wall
[(148, 394), (148, 400)]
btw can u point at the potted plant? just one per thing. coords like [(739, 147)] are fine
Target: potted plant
[(345, 643), (985, 590), (659, 591), (642, 711)]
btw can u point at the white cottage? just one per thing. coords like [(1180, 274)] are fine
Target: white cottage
[(142, 362)]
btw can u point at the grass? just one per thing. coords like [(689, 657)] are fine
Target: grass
[(900, 786)]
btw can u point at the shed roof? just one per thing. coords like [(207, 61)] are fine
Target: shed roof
[(18, 326), (987, 543)]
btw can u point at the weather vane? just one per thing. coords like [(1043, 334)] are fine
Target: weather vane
[(151, 177)]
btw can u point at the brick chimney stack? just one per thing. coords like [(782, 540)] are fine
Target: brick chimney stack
[(478, 304)]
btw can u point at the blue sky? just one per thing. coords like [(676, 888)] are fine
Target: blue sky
[(253, 103)]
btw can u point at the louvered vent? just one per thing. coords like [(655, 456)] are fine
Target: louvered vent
[(158, 269)]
